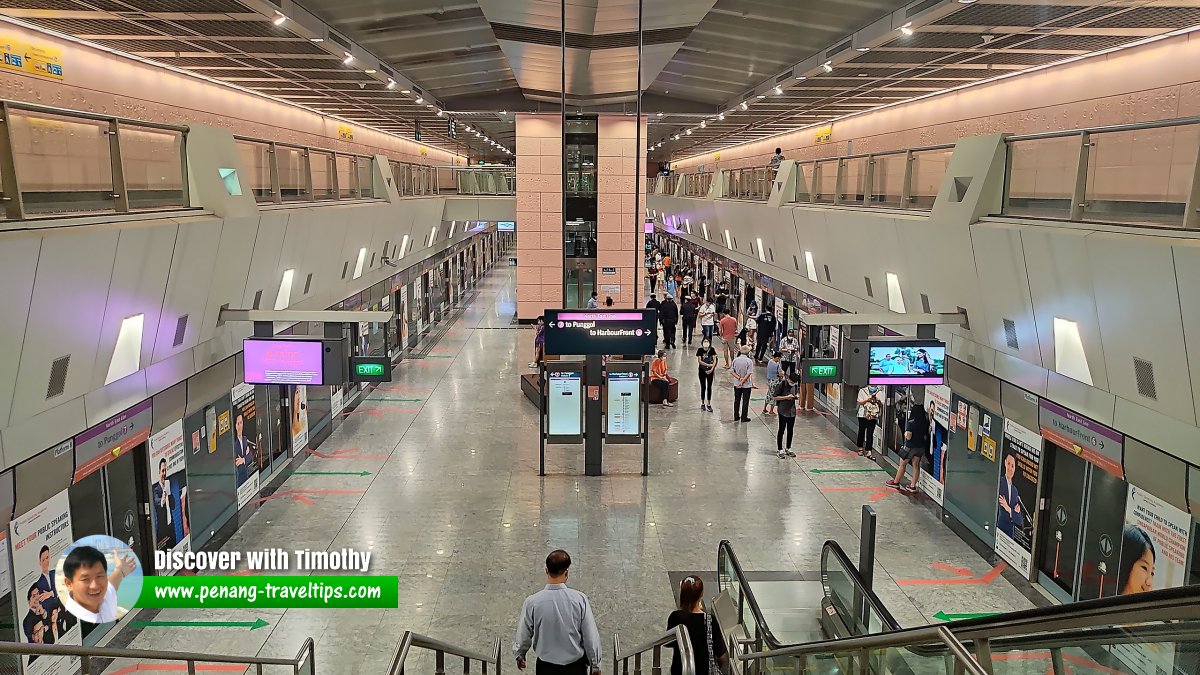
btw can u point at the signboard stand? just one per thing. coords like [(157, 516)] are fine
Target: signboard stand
[(593, 442)]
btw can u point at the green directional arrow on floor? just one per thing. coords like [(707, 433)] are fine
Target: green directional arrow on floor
[(942, 616), (330, 473), (846, 470), (382, 398), (252, 625)]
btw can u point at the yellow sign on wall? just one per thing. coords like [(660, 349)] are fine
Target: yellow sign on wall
[(716, 156), (37, 60), (825, 133), (345, 132)]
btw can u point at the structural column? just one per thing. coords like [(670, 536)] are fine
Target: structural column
[(620, 234), (539, 214)]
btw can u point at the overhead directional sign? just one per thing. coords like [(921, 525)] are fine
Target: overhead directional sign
[(627, 331)]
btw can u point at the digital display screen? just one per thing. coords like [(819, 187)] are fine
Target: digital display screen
[(565, 402), (630, 331), (506, 225), (283, 361), (915, 362), (624, 404)]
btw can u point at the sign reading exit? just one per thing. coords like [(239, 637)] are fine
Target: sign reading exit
[(821, 370), (370, 369)]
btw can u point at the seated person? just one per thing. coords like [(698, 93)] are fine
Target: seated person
[(659, 377), (91, 592)]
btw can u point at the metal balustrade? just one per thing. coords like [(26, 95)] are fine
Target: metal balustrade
[(496, 181), (283, 172), (55, 161), (1140, 174), (750, 183), (898, 179), (94, 660), (697, 184)]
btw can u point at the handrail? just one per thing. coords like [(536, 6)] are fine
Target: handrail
[(86, 654), (1131, 126), (84, 114), (676, 637), (907, 638), (860, 586), (440, 650), (725, 551)]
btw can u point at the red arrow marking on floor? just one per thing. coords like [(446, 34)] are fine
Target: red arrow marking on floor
[(880, 493), (961, 581), (180, 667), (363, 411), (443, 350), (960, 571), (301, 496), (343, 454), (1069, 658)]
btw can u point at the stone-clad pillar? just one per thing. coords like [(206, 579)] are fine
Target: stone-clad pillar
[(620, 235), (539, 214)]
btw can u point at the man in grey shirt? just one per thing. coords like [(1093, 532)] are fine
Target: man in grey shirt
[(557, 622), (743, 382)]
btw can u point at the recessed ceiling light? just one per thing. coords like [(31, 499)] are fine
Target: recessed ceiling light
[(721, 116), (279, 20), (370, 71), (801, 77), (391, 83), (439, 113), (676, 136), (659, 115), (907, 28), (745, 106), (862, 49), (827, 66), (761, 96), (778, 90), (689, 132), (420, 100), (503, 112), (316, 39), (349, 58), (966, 2)]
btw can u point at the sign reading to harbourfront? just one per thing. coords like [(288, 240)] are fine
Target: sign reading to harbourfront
[(821, 370), (1086, 438), (628, 331)]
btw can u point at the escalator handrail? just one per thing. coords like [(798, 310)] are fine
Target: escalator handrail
[(725, 549), (877, 606), (922, 636)]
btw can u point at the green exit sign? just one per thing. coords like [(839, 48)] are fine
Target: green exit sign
[(822, 370), (370, 369)]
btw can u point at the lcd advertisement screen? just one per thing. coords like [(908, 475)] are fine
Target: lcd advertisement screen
[(915, 362), (565, 395), (506, 226), (283, 361), (624, 404)]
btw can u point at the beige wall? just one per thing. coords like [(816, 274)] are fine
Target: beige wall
[(97, 81), (539, 214), (619, 233), (1160, 80)]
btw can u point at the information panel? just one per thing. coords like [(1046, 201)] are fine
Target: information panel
[(283, 361), (624, 404), (629, 331), (565, 407)]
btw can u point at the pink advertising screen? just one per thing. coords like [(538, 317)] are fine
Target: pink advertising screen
[(283, 361)]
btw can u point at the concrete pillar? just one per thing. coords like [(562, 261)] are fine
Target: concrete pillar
[(620, 235), (539, 214)]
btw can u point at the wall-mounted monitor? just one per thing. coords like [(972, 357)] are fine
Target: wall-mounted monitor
[(906, 362), (283, 361), (506, 225)]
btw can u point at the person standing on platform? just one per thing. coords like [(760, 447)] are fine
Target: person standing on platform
[(557, 622), (707, 314), (688, 314), (789, 346), (666, 264), (916, 446), (653, 276), (765, 335), (706, 361), (668, 315), (592, 303), (774, 375), (785, 397), (672, 287), (539, 342), (742, 371), (870, 407), (728, 327)]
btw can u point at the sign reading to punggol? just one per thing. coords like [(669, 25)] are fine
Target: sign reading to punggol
[(628, 331)]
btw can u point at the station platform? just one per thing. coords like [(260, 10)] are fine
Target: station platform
[(452, 503)]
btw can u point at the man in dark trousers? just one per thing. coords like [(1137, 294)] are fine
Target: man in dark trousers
[(557, 622), (654, 304), (668, 315), (688, 313), (766, 334)]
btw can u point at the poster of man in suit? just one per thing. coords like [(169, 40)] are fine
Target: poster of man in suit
[(168, 491)]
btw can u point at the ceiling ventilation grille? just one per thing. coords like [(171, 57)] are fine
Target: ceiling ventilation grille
[(257, 299), (838, 49), (925, 304), (1010, 334), (870, 291), (340, 40), (828, 279), (180, 330), (1143, 372), (307, 283), (58, 376), (917, 9)]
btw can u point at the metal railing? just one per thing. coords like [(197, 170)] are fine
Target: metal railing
[(677, 638), (94, 659), (440, 650), (283, 172), (55, 161), (898, 179), (415, 180), (697, 184), (856, 604), (1140, 174), (732, 578), (883, 653), (752, 183)]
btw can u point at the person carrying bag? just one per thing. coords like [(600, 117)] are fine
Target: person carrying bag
[(704, 632)]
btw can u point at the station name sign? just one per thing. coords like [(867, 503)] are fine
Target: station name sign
[(629, 331)]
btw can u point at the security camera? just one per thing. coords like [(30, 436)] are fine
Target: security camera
[(388, 261)]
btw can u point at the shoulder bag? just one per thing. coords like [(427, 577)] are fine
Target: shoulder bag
[(713, 668)]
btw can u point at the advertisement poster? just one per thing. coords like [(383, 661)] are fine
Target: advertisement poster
[(246, 442), (299, 420), (38, 540), (337, 400), (933, 476), (5, 581), (169, 505), (1017, 495), (565, 403)]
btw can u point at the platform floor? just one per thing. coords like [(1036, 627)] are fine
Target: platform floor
[(454, 506)]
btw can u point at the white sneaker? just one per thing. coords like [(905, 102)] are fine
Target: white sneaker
[(533, 364), (780, 455)]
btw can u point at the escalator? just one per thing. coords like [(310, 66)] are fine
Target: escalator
[(1154, 633)]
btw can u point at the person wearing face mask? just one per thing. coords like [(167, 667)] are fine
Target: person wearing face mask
[(789, 346), (706, 361), (870, 407)]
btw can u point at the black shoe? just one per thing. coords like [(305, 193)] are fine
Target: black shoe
[(745, 419)]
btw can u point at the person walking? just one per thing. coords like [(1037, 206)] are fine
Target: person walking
[(773, 379), (661, 275), (765, 335), (557, 622), (539, 342), (653, 276), (784, 394), (659, 377), (773, 165), (668, 315), (708, 318), (706, 361), (728, 331), (592, 303), (687, 313), (742, 371), (870, 406), (916, 446), (709, 652), (789, 346)]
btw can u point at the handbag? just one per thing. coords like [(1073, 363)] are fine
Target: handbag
[(713, 668)]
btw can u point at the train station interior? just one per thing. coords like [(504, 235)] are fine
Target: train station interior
[(871, 322)]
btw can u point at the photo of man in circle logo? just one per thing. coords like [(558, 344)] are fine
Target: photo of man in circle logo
[(99, 579)]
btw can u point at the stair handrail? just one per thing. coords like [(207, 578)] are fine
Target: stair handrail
[(306, 655), (676, 637), (440, 650)]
